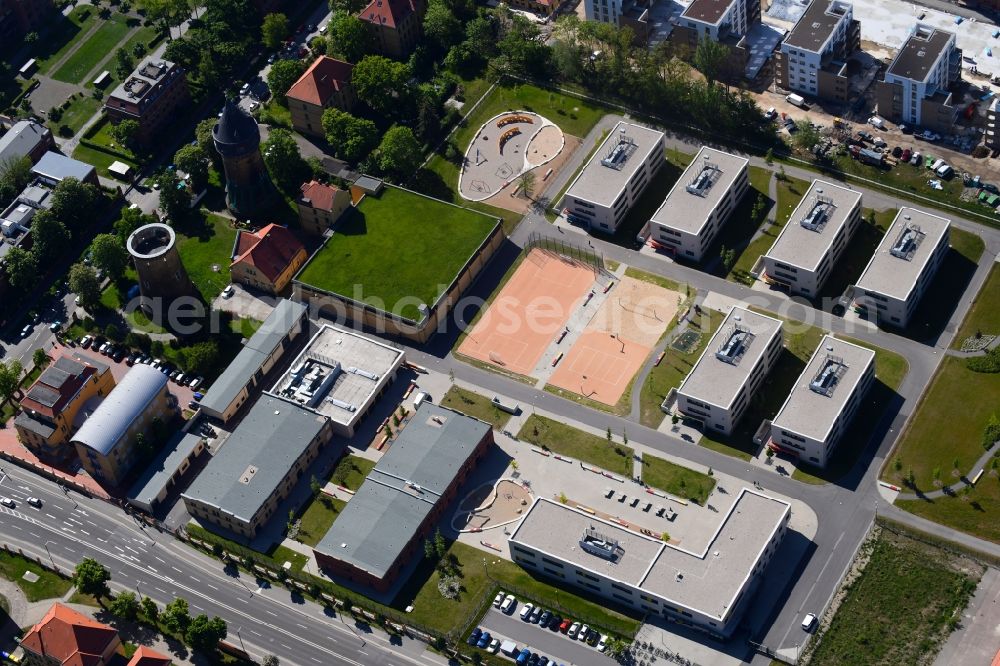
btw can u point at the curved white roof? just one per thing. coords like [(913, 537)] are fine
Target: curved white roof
[(121, 408)]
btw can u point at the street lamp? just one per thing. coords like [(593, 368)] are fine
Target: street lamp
[(50, 555)]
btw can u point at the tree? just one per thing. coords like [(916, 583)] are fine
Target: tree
[(15, 174), (273, 30), (528, 183), (710, 59), (769, 156), (174, 199), (123, 64), (807, 136), (21, 267), (204, 634), (91, 577), (51, 237), (616, 648), (150, 610), (429, 552), (728, 256), (108, 254), (441, 26), (399, 153), (84, 283), (428, 119), (39, 358), (352, 138), (270, 660), (10, 378), (937, 476), (283, 160), (201, 357), (282, 75), (193, 161), (314, 485), (124, 132), (130, 220), (349, 37), (440, 546), (203, 133), (124, 606), (175, 617), (380, 83), (73, 203)]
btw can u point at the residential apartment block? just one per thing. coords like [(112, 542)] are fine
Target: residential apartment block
[(813, 239), (699, 203), (731, 369), (50, 408), (823, 401), (705, 584), (620, 13), (615, 177), (813, 58), (325, 85), (992, 135), (106, 442), (395, 25), (724, 21), (915, 89), (321, 205), (266, 259), (905, 262), (150, 96)]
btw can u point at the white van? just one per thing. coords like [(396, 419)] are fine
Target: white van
[(943, 171), (875, 121), (797, 100), (420, 399)]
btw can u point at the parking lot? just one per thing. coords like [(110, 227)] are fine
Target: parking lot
[(553, 644)]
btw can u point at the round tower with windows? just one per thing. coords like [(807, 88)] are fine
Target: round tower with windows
[(249, 191)]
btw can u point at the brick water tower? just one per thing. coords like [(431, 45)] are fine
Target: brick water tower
[(249, 191), (162, 277)]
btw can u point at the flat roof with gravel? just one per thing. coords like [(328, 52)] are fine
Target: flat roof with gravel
[(708, 11), (809, 233), (699, 190), (817, 24), (603, 178), (920, 52), (824, 387), (718, 381), (903, 253), (709, 580)]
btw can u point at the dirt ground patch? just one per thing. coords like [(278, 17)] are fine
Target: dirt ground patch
[(637, 311), (520, 203), (502, 504)]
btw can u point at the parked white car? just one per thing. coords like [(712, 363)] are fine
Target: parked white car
[(808, 622), (508, 604)]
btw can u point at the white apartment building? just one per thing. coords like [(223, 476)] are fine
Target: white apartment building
[(905, 262), (699, 204), (813, 239), (823, 401), (605, 11), (718, 19), (615, 177), (731, 369), (812, 59), (915, 87), (706, 584)]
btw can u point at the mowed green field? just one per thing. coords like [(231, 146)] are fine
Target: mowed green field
[(398, 250), (94, 50)]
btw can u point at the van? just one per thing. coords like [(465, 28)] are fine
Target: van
[(875, 121), (797, 100), (420, 399), (937, 164), (943, 171)]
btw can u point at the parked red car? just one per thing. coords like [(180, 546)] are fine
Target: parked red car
[(564, 627)]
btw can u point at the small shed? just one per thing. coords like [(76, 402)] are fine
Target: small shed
[(120, 169)]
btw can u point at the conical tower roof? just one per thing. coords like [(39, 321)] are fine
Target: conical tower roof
[(236, 132)]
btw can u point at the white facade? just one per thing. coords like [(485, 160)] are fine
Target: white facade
[(811, 42), (922, 67), (713, 22), (605, 11)]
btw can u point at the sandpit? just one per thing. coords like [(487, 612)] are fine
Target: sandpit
[(503, 503)]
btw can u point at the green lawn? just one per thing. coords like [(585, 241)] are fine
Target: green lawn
[(790, 192), (567, 440), (984, 316), (401, 248), (318, 517), (100, 160), (63, 33), (81, 109), (674, 367), (351, 471), (275, 557), (742, 224), (204, 243), (144, 35), (676, 480), (481, 575), (975, 512), (475, 405), (901, 609), (94, 50), (48, 586)]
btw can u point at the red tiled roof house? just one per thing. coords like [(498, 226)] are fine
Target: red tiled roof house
[(67, 638), (268, 259), (146, 657), (320, 206), (326, 84), (395, 25)]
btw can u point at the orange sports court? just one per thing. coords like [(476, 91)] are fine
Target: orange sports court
[(530, 310)]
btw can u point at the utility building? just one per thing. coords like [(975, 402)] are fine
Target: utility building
[(813, 239), (699, 203), (731, 369), (823, 401)]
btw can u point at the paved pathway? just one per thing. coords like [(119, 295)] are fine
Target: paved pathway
[(953, 489)]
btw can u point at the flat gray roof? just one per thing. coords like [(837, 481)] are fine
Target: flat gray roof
[(261, 344), (710, 579), (896, 276), (143, 81), (718, 382), (256, 457), (403, 488), (54, 166), (817, 24), (688, 212), (707, 11), (602, 184), (804, 247), (919, 52), (156, 475), (116, 413), (812, 414), (358, 364)]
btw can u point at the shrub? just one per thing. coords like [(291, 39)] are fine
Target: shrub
[(990, 363), (992, 433)]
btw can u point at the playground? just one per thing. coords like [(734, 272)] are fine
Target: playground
[(506, 146), (617, 341), (530, 310), (492, 506)]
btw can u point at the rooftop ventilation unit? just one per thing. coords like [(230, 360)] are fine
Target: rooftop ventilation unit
[(819, 213), (826, 380), (600, 545), (364, 373), (705, 179), (343, 405), (736, 345), (248, 475), (907, 242), (620, 152)]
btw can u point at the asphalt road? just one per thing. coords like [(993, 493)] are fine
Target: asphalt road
[(552, 644), (70, 527)]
